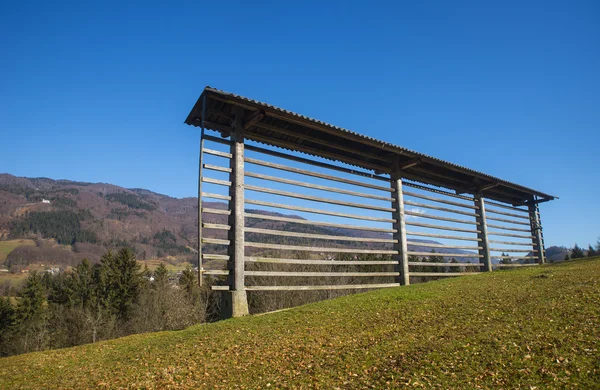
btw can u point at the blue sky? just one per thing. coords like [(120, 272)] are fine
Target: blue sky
[(99, 91)]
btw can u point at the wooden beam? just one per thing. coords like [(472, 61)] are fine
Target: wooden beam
[(410, 164), (318, 223), (484, 252), (254, 119), (236, 303)]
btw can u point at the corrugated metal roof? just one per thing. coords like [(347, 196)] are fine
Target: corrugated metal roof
[(292, 131)]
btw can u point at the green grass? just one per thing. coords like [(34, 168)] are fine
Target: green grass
[(526, 328), (7, 246)]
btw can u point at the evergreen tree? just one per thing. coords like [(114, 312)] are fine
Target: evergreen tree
[(188, 280), (457, 269), (433, 258), (8, 322), (161, 277), (505, 259), (32, 314), (591, 251), (123, 279), (567, 257), (577, 252), (415, 259)]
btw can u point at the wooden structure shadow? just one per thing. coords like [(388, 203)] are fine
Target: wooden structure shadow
[(401, 199)]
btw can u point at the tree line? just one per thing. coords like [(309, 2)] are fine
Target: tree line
[(92, 302), (577, 252)]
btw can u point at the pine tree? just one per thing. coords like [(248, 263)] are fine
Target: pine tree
[(161, 277), (188, 280), (32, 314), (577, 252), (505, 259), (122, 281), (435, 259), (591, 252), (8, 322)]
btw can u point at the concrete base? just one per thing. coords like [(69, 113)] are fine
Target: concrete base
[(234, 304)]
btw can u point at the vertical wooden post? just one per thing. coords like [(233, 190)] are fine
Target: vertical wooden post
[(200, 194), (400, 235), (483, 235), (536, 232), (236, 302)]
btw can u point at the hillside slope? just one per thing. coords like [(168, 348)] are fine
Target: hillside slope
[(506, 329), (91, 218)]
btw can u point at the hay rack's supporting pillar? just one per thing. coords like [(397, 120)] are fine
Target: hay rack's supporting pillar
[(483, 234), (235, 301), (400, 246), (536, 232)]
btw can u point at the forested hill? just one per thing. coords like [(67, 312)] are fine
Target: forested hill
[(94, 217)]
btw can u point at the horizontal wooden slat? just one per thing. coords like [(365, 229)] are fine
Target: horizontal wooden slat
[(220, 272), (319, 262), (317, 211), (492, 233), (216, 181), (215, 211), (508, 228), (443, 254), (426, 225), (207, 256), (433, 235), (512, 250), (315, 174), (421, 196), (323, 287), (317, 186), (428, 206), (216, 153), (316, 198), (513, 257), (527, 243), (504, 206), (425, 264), (215, 196), (216, 168), (307, 161), (489, 210), (317, 223), (219, 288), (438, 191), (317, 236), (319, 274), (430, 245), (514, 265), (421, 215), (437, 274), (216, 226), (317, 249), (506, 220), (215, 241)]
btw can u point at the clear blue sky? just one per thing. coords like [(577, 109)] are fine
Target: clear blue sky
[(99, 91)]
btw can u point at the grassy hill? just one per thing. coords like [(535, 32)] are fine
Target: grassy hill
[(508, 329)]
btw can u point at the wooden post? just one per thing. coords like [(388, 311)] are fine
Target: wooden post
[(482, 235), (536, 232), (400, 235), (200, 194), (236, 301)]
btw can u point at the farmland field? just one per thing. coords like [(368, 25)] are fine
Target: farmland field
[(523, 328)]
